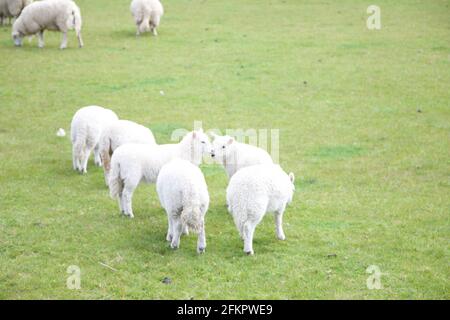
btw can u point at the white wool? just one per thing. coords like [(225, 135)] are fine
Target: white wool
[(147, 15), (57, 15), (119, 133), (235, 155), (133, 163), (252, 192), (12, 8), (183, 193), (85, 131)]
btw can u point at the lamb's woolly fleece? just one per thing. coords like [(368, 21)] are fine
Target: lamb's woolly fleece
[(12, 8), (255, 190), (85, 131), (147, 15), (183, 193), (58, 15), (119, 133), (235, 155), (133, 163)]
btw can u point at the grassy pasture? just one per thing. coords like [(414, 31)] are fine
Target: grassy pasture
[(364, 122)]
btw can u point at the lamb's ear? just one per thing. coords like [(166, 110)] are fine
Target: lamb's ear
[(291, 177), (231, 140)]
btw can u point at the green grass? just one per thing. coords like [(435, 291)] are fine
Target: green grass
[(373, 173)]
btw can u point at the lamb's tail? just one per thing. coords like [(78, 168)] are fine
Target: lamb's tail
[(77, 23), (115, 182), (144, 26), (191, 217)]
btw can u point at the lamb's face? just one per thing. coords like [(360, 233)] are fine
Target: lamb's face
[(201, 143), (17, 38), (220, 146)]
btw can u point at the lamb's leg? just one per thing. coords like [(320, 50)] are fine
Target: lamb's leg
[(127, 195), (97, 158), (41, 39), (64, 40), (106, 160), (169, 236), (177, 228), (80, 39), (84, 163), (279, 225), (201, 242), (1, 21), (74, 157), (248, 231)]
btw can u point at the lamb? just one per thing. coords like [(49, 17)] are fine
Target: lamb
[(86, 128), (183, 193), (119, 133), (252, 192), (58, 15), (147, 15), (12, 8), (133, 163), (235, 155)]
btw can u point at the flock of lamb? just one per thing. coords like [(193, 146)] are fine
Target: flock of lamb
[(33, 18), (130, 155)]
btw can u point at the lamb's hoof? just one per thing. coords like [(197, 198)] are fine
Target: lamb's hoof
[(201, 250), (249, 253), (169, 238), (281, 237), (62, 48)]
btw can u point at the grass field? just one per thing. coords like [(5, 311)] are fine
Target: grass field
[(364, 120)]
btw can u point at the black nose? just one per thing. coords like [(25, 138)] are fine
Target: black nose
[(213, 155)]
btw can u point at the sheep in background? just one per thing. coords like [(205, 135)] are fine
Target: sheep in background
[(235, 155), (58, 15), (86, 128), (135, 163), (147, 15), (255, 190), (12, 8), (183, 193), (119, 133)]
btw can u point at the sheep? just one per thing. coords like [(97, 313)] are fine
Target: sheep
[(183, 193), (252, 192), (85, 129), (147, 15), (11, 8), (133, 163), (235, 155), (58, 15), (117, 134)]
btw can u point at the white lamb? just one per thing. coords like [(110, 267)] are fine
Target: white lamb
[(255, 190), (183, 193), (135, 163), (86, 128), (235, 155), (12, 8), (147, 15), (57, 15), (119, 133)]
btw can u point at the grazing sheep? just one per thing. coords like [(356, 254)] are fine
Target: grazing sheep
[(58, 15), (255, 190), (119, 133), (147, 15), (183, 193), (11, 9), (133, 163), (86, 128), (235, 155)]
